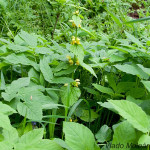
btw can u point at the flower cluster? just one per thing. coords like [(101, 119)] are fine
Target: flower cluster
[(76, 83), (75, 40), (76, 12), (71, 62), (74, 25)]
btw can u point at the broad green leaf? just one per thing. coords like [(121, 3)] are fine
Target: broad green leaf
[(146, 70), (5, 122), (36, 93), (32, 137), (146, 84), (124, 134), (18, 48), (87, 31), (116, 58), (136, 101), (78, 137), (108, 106), (86, 117), (104, 134), (76, 20), (47, 145), (61, 66), (17, 59), (6, 109), (51, 106), (19, 41), (39, 145), (145, 105), (103, 89), (133, 113), (91, 91), (133, 39), (13, 88), (34, 75), (132, 69), (62, 80), (136, 92), (31, 110), (3, 64), (28, 38), (144, 139), (28, 127), (20, 59), (61, 143), (4, 40), (78, 51), (53, 94), (112, 82), (69, 95), (43, 50), (67, 71), (123, 87), (46, 70), (5, 145), (87, 67), (10, 135), (73, 108)]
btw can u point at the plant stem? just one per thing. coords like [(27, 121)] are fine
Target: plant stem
[(55, 25), (66, 108), (52, 125)]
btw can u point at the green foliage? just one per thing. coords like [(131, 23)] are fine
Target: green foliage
[(78, 136), (74, 75)]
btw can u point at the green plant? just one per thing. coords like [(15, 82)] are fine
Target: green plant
[(79, 84)]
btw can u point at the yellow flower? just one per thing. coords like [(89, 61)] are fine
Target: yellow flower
[(73, 25), (78, 41), (73, 37), (77, 80), (76, 12), (75, 40), (70, 20), (66, 84), (70, 120), (68, 57), (77, 62), (79, 25), (71, 62)]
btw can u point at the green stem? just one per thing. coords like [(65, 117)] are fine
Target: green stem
[(52, 125), (67, 108)]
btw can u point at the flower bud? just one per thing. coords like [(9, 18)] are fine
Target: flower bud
[(79, 25), (77, 80), (68, 57), (77, 62), (71, 62)]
